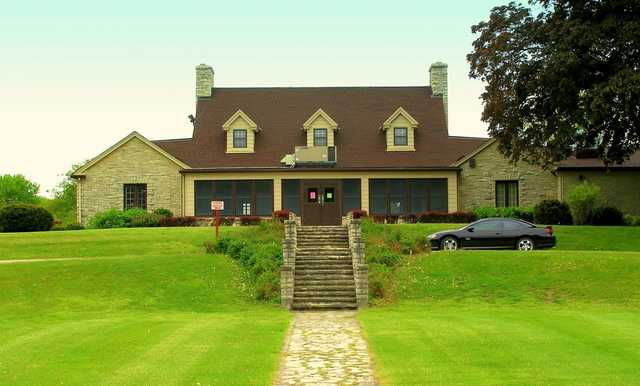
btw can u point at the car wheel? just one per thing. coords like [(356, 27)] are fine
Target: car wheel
[(449, 243), (525, 244)]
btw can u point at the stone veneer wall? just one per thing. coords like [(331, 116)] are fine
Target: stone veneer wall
[(477, 185), (135, 163), (620, 188)]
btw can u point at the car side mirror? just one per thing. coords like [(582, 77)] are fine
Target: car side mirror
[(470, 229)]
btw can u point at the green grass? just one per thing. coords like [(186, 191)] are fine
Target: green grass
[(147, 307), (475, 344), (563, 316)]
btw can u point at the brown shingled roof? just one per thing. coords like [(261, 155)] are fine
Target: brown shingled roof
[(359, 112), (596, 163)]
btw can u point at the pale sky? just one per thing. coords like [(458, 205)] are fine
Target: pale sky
[(77, 76)]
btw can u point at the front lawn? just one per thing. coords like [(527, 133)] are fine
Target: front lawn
[(143, 306), (568, 315), (476, 343)]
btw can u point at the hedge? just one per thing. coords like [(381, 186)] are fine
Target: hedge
[(25, 218)]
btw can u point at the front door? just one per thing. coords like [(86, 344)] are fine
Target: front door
[(320, 202)]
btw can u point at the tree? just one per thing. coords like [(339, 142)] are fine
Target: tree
[(17, 189), (561, 76)]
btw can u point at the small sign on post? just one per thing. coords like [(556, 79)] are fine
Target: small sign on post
[(216, 207)]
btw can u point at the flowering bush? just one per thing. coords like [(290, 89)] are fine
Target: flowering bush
[(281, 215), (359, 213)]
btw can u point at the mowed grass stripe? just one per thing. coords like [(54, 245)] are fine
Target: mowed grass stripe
[(139, 313), (504, 345), (170, 357)]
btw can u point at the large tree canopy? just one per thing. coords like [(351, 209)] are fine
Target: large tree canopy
[(561, 75), (17, 189)]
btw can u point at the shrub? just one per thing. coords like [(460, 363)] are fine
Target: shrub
[(409, 218), (281, 215), (74, 227), (112, 218), (163, 212), (359, 213), (385, 218), (146, 220), (444, 217), (250, 220), (525, 214), (186, 221), (552, 212), (380, 282), (260, 253), (583, 200), (632, 220), (607, 215), (25, 218)]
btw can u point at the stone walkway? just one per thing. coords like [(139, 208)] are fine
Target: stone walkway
[(325, 348), (20, 261)]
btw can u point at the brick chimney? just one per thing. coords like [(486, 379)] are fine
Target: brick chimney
[(439, 86), (204, 81)]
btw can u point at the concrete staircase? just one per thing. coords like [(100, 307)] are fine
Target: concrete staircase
[(323, 269)]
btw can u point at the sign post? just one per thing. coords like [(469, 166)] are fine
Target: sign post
[(216, 207)]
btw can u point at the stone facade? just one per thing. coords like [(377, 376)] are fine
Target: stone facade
[(134, 162), (621, 188), (477, 185)]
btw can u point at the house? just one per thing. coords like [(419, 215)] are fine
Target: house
[(323, 151)]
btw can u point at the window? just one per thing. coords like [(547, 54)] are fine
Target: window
[(329, 195), (400, 196), (312, 195), (350, 195), (487, 226), (241, 197), (264, 197), (397, 196), (319, 137), (509, 225), (291, 195), (135, 196), (400, 137), (239, 138), (506, 194)]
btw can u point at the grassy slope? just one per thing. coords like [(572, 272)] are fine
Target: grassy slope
[(562, 316), (151, 308)]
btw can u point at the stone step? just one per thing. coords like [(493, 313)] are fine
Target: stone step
[(324, 270), (314, 243), (325, 299), (323, 237), (326, 276), (323, 263), (324, 291), (323, 305), (307, 293), (324, 259), (324, 248), (325, 284)]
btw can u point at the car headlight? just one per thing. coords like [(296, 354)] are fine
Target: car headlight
[(432, 236)]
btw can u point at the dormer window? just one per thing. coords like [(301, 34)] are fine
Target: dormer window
[(400, 137), (320, 128), (399, 130), (241, 133), (239, 138), (320, 137)]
